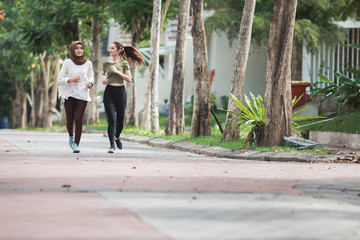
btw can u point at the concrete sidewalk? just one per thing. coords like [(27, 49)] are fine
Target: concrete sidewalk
[(144, 192)]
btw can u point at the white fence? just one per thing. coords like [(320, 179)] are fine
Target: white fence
[(329, 59)]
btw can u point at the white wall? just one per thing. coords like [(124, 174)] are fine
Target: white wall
[(189, 63), (222, 57), (164, 89), (256, 71)]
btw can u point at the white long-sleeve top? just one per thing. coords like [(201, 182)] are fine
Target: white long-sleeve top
[(76, 90)]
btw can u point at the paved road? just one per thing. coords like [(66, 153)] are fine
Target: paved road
[(142, 192)]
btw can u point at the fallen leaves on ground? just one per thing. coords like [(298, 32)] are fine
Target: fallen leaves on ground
[(348, 158)]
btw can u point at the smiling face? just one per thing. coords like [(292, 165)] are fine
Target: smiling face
[(79, 50), (113, 50)]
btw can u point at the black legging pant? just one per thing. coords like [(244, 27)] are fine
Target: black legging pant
[(115, 104), (74, 109)]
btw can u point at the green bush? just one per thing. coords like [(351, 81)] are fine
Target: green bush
[(224, 102), (347, 93), (253, 116)]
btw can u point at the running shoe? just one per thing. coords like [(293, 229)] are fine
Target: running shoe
[(75, 148), (118, 143), (111, 149), (71, 142)]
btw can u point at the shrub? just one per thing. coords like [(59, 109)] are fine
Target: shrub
[(347, 93), (254, 116)]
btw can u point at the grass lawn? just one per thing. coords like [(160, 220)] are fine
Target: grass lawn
[(213, 140), (348, 123)]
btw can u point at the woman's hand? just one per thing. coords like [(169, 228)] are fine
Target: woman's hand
[(114, 69), (105, 81), (127, 76), (89, 85), (104, 78), (74, 80)]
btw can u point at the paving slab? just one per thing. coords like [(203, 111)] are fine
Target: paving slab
[(341, 192), (213, 151), (181, 145), (158, 142), (68, 215), (262, 156), (290, 157), (184, 215), (144, 192)]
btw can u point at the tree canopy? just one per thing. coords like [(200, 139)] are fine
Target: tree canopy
[(48, 25), (16, 60), (350, 9), (315, 20)]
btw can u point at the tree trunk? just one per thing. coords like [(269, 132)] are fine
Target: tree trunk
[(13, 118), (32, 101), (155, 42), (259, 135), (145, 114), (18, 115), (38, 100), (131, 116), (151, 101), (46, 80), (176, 121), (200, 125), (278, 73), (92, 111), (164, 10), (62, 120), (238, 78), (42, 95), (53, 94), (23, 106)]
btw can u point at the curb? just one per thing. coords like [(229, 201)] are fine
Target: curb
[(213, 151)]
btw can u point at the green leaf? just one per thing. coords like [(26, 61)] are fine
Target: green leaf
[(252, 108), (306, 117), (301, 110), (324, 79), (242, 107), (354, 71), (296, 100), (352, 45)]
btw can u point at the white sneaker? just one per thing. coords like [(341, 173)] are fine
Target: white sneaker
[(111, 150)]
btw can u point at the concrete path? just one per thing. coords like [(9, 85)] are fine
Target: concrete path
[(143, 192)]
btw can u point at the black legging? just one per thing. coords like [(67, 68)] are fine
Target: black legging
[(115, 102), (74, 109)]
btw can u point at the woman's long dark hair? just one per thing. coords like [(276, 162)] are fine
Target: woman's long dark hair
[(131, 54)]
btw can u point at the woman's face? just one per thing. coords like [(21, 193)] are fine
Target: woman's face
[(79, 50), (113, 50)]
